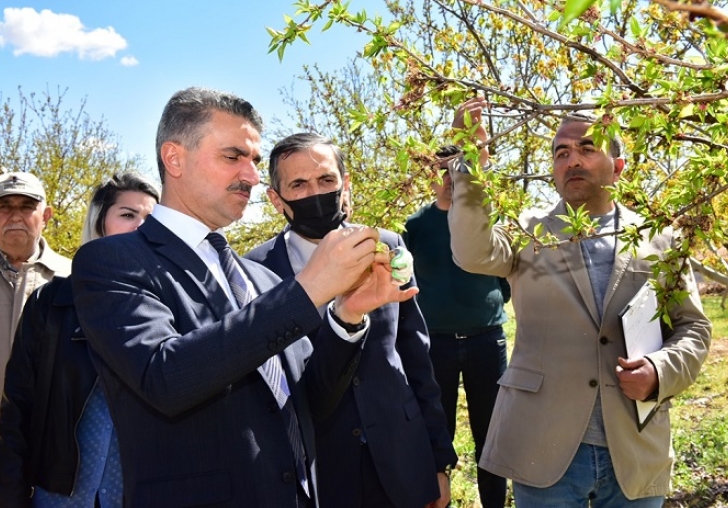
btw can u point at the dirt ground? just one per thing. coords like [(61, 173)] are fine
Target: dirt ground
[(719, 348)]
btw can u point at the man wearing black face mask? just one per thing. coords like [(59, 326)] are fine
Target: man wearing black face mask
[(386, 444), (315, 215)]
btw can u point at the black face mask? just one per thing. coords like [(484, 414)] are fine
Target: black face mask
[(316, 215)]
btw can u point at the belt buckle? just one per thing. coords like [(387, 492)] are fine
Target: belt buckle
[(461, 336)]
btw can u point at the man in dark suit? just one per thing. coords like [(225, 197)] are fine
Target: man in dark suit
[(386, 445), (182, 352)]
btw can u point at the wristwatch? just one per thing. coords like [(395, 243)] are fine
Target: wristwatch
[(348, 327)]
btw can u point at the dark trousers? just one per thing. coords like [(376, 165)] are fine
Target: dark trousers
[(481, 359)]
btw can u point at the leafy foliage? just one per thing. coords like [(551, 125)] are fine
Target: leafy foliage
[(654, 73), (67, 150), (386, 185)]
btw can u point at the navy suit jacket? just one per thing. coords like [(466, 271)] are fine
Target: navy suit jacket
[(392, 402), (197, 425)]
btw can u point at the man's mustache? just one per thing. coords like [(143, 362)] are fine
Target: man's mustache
[(240, 186), (576, 173)]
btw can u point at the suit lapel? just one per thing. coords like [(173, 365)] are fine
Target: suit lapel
[(621, 259), (170, 246), (279, 257)]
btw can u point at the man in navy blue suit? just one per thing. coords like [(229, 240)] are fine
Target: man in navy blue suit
[(183, 337), (386, 444)]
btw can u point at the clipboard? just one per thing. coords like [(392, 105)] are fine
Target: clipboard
[(642, 335)]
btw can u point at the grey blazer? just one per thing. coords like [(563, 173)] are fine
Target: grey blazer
[(564, 356)]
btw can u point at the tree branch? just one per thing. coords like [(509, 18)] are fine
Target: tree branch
[(703, 9)]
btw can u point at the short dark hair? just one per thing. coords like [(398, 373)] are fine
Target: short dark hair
[(297, 143), (189, 110), (106, 195), (616, 146)]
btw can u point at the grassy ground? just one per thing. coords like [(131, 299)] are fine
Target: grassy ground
[(700, 433)]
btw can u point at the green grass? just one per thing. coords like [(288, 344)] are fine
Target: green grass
[(700, 426), (700, 432)]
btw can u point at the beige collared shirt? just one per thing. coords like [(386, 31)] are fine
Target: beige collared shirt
[(15, 288)]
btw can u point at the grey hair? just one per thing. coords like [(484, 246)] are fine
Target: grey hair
[(189, 110), (106, 195), (616, 145), (296, 143)]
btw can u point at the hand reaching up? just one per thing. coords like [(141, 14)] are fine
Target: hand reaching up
[(474, 108)]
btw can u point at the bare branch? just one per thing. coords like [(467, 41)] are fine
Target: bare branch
[(703, 9)]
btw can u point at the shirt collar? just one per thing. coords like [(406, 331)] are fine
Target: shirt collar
[(299, 250), (189, 229)]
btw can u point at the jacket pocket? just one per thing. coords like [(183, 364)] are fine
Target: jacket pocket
[(521, 379)]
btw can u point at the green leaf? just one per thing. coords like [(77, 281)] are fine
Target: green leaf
[(554, 16), (393, 27), (637, 122), (687, 110), (635, 28), (588, 72), (575, 8), (302, 36)]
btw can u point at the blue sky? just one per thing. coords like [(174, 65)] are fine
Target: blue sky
[(128, 57)]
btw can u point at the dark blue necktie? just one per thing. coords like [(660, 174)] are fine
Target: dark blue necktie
[(272, 370)]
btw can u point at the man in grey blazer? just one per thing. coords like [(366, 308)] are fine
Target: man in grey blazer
[(182, 352), (563, 428)]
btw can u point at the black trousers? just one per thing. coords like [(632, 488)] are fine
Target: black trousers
[(481, 359)]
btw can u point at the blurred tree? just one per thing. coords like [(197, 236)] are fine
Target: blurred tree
[(67, 150), (384, 190)]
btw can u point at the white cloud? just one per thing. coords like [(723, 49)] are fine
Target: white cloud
[(129, 61), (48, 34)]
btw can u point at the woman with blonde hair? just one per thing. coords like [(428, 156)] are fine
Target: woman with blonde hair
[(57, 442), (111, 196)]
